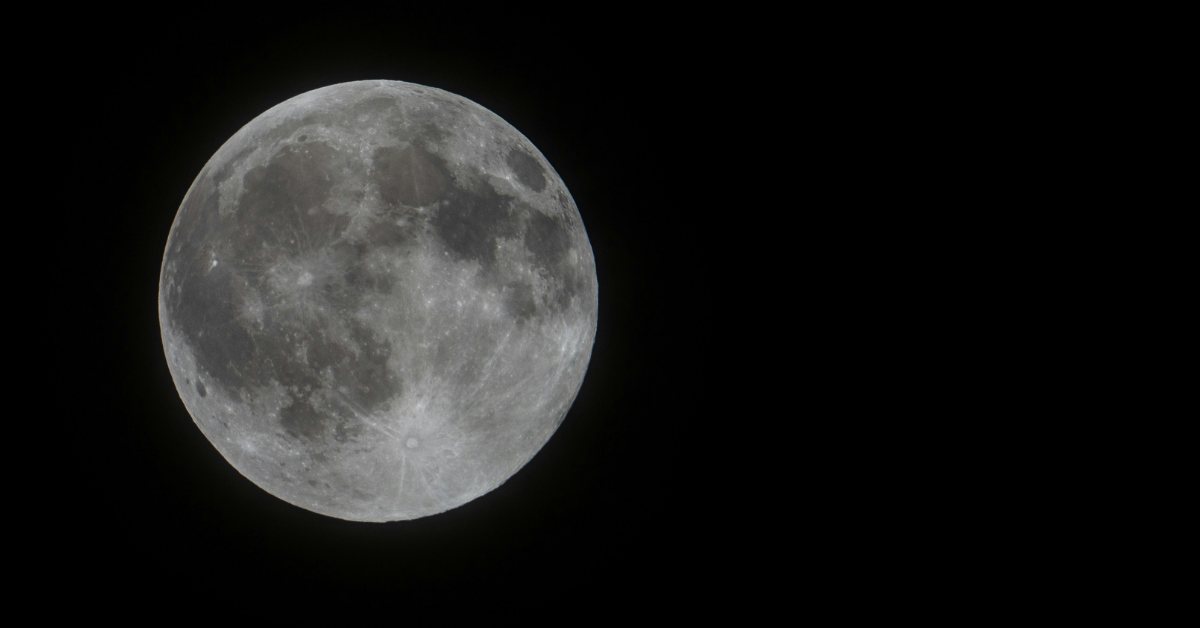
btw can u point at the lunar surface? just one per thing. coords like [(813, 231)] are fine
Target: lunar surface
[(378, 301)]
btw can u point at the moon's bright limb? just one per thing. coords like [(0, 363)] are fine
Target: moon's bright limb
[(378, 301)]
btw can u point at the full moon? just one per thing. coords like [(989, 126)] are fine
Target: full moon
[(378, 301)]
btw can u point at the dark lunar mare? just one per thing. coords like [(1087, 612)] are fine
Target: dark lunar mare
[(279, 217), (527, 169)]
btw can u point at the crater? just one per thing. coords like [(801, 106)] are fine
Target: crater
[(200, 389)]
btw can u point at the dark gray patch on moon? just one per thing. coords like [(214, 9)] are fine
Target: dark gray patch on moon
[(520, 301), (409, 176), (527, 169), (470, 221), (547, 238), (391, 302)]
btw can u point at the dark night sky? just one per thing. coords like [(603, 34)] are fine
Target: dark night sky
[(622, 503), (796, 281)]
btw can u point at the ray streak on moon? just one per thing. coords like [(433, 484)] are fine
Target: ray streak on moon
[(378, 300)]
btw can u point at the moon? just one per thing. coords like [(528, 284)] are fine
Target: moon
[(378, 301)]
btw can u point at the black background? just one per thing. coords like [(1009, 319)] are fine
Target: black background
[(630, 499), (811, 378)]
